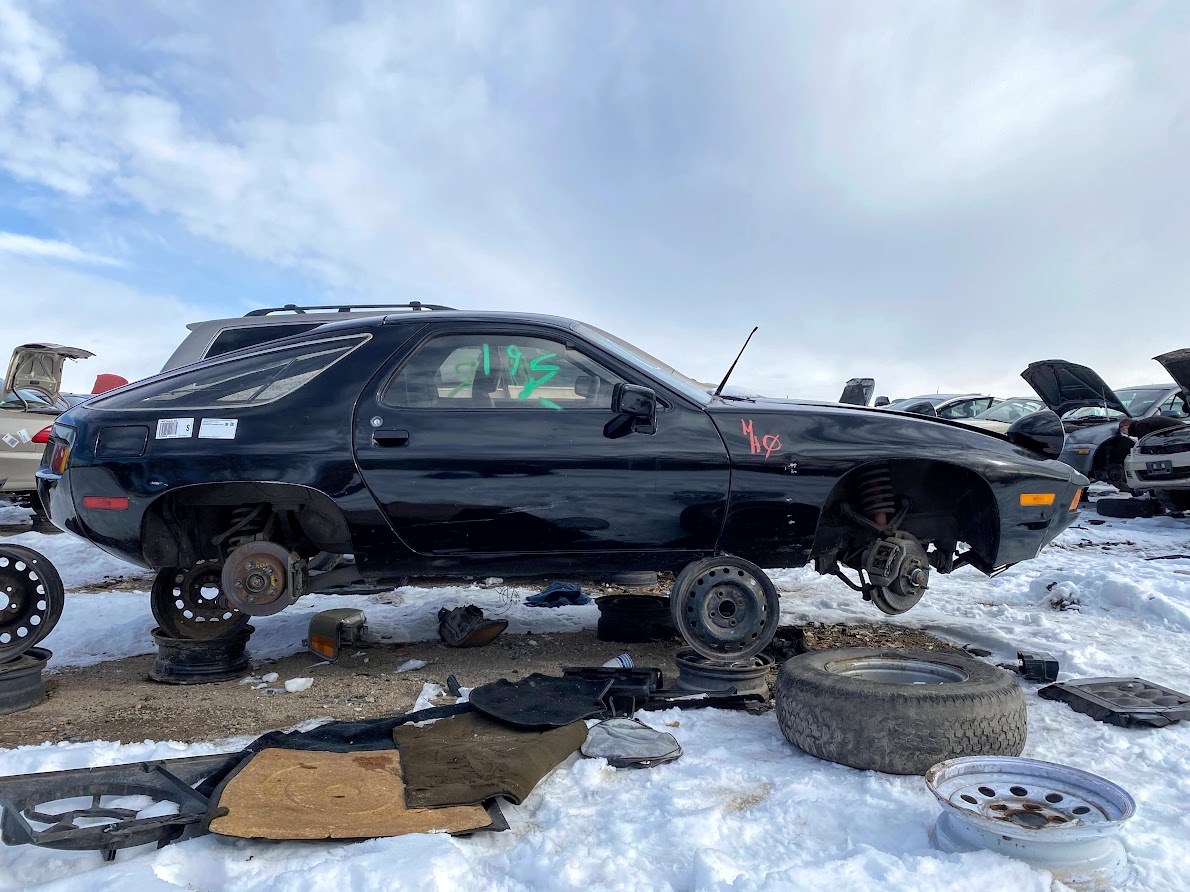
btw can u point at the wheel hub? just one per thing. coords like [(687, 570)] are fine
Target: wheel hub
[(898, 571), (257, 578), (191, 604)]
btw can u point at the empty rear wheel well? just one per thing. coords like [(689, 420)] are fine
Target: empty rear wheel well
[(206, 521), (948, 504)]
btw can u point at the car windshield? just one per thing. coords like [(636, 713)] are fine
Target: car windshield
[(1139, 400), (683, 384), (1011, 410)]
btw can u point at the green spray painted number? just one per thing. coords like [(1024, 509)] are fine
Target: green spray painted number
[(527, 375)]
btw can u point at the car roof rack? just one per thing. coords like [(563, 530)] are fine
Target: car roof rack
[(346, 308)]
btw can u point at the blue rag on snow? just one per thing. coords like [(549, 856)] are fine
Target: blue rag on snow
[(559, 594)]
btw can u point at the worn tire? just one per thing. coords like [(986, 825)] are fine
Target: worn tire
[(1127, 508), (898, 728)]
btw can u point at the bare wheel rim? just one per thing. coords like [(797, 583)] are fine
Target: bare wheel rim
[(724, 611), (190, 603), (30, 600), (887, 670)]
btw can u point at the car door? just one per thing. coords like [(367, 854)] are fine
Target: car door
[(489, 439)]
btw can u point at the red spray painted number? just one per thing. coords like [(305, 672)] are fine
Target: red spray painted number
[(768, 443)]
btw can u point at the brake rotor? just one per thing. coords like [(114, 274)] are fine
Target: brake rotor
[(190, 603), (31, 599), (899, 570), (256, 578), (725, 607)]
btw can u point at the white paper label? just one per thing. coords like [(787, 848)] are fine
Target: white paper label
[(24, 435), (175, 428), (218, 429), (11, 440)]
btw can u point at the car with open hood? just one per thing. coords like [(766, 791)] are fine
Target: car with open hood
[(447, 443), (30, 400), (1091, 412), (1160, 461)]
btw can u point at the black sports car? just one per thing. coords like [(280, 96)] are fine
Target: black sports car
[(445, 443)]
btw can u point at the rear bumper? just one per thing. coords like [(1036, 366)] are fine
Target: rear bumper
[(115, 531)]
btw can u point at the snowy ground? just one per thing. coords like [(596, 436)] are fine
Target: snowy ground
[(742, 809)]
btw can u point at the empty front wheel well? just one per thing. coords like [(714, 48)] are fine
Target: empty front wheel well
[(205, 521), (947, 504)]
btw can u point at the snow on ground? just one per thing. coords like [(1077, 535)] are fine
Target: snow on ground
[(742, 809)]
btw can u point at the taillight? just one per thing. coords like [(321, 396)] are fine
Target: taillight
[(60, 441), (60, 457), (43, 435)]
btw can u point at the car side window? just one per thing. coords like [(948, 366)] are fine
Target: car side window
[(499, 371), (958, 410), (1175, 407)]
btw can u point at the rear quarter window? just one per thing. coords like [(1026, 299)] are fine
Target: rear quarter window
[(236, 383), (231, 339)]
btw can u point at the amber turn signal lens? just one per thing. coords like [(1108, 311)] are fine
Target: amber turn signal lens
[(1078, 497), (1037, 498), (323, 645)]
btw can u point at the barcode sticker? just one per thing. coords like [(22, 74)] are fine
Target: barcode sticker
[(24, 436), (218, 429), (175, 428)]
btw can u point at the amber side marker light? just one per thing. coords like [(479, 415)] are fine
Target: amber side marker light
[(325, 646), (1037, 498), (106, 504), (1078, 497)]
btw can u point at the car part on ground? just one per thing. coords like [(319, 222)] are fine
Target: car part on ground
[(332, 630), (466, 626), (101, 823), (1037, 666), (1053, 817), (631, 686), (190, 603), (749, 676), (31, 599), (725, 607), (541, 701), (634, 619), (391, 439), (898, 711), (283, 795), (190, 661), (635, 579), (1127, 508), (788, 642), (21, 684), (629, 743), (1126, 702), (559, 594)]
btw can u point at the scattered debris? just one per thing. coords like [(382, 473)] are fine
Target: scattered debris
[(1126, 702), (296, 685), (1038, 666), (332, 630), (559, 594), (541, 701), (410, 665), (269, 678), (744, 677), (467, 627), (628, 743)]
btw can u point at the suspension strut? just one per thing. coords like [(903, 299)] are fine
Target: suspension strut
[(876, 497)]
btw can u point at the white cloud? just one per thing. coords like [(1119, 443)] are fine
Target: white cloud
[(28, 246)]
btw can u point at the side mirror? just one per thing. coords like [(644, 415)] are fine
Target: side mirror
[(1040, 432), (634, 401), (881, 401), (635, 410)]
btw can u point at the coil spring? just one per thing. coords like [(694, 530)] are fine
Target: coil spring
[(252, 526), (876, 492)]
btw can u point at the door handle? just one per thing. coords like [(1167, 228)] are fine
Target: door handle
[(390, 438)]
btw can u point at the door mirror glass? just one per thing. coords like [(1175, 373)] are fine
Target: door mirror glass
[(1041, 432), (634, 401)]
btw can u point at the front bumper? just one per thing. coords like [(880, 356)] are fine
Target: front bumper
[(1141, 475)]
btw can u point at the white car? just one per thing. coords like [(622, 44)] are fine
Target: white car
[(953, 406), (1000, 417), (1160, 461)]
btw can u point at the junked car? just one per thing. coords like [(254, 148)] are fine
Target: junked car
[(1091, 412), (1160, 461), (30, 400), (1001, 416), (955, 406), (465, 443)]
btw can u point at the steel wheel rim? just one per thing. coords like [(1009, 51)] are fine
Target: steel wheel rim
[(195, 604), (725, 612), (25, 606), (889, 670)]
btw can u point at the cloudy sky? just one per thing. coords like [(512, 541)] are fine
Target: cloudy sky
[(933, 194)]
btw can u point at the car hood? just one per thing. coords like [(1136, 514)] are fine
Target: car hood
[(1170, 436), (39, 367), (1065, 386), (1177, 363), (858, 391)]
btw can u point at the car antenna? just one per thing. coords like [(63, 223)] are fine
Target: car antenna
[(723, 383)]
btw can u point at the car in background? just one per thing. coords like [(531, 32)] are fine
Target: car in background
[(1091, 412), (952, 406), (1000, 417), (1160, 462), (858, 391), (218, 336), (30, 400)]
